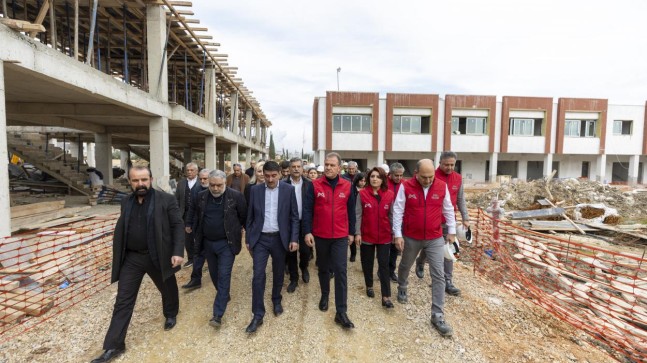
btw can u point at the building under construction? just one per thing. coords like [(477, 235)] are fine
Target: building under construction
[(79, 78)]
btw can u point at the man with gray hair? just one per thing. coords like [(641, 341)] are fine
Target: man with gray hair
[(238, 180), (183, 196), (396, 173), (220, 214), (454, 181), (352, 171), (189, 225)]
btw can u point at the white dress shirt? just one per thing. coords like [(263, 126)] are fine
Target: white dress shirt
[(297, 189), (271, 222), (400, 203), (192, 182)]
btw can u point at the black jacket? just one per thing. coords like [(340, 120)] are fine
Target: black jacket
[(235, 218), (306, 189), (168, 231)]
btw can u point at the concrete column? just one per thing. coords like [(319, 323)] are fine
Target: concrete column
[(601, 168), (548, 165), (234, 113), (258, 131), (187, 154), (210, 95), (248, 157), (221, 161), (322, 157), (89, 156), (494, 160), (210, 156), (156, 44), (103, 144), (380, 158), (5, 205), (124, 156), (248, 124), (159, 153), (437, 158), (234, 153), (634, 161), (73, 149), (522, 172)]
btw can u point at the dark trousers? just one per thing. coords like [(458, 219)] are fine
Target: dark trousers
[(265, 247), (221, 261), (367, 254), (332, 257), (393, 258), (198, 264), (188, 244), (353, 250), (304, 259), (135, 266)]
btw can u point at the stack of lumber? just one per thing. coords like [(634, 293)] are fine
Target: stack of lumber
[(29, 216), (52, 267)]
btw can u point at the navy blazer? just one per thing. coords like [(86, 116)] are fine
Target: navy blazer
[(288, 214)]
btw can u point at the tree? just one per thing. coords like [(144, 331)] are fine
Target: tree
[(272, 149)]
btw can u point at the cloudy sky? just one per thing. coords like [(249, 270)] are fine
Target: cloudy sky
[(288, 52)]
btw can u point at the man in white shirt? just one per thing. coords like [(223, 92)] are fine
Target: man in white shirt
[(418, 209)]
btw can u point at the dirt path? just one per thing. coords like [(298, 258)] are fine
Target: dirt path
[(490, 325)]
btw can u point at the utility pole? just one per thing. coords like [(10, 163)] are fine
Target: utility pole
[(338, 70)]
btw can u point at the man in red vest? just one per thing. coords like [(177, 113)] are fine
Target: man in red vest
[(446, 173), (418, 211), (329, 224)]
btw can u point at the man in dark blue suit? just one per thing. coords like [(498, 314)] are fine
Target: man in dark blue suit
[(272, 230)]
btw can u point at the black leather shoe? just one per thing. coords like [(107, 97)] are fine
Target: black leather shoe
[(193, 284), (370, 292), (387, 304), (255, 323), (394, 277), (352, 258), (420, 271), (292, 286), (108, 355), (188, 263), (305, 275), (342, 319), (170, 323), (332, 275), (216, 321), (278, 309), (323, 303)]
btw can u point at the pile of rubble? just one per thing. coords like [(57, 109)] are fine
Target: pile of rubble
[(631, 204)]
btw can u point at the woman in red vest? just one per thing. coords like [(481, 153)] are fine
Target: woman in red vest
[(373, 231)]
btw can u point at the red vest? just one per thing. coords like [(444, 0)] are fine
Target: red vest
[(392, 186), (423, 216), (330, 217), (454, 181), (376, 227)]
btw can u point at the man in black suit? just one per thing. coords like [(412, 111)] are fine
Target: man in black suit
[(148, 239), (272, 230), (250, 171), (189, 225), (302, 186), (183, 196), (221, 213)]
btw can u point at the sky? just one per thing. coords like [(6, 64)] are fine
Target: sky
[(287, 52)]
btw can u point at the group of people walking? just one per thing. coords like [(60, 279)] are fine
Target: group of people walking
[(286, 215)]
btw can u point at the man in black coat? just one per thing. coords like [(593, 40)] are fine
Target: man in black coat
[(221, 213), (148, 239), (183, 195), (189, 224)]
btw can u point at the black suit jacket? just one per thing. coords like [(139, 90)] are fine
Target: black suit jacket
[(235, 216), (180, 194), (288, 214), (305, 189), (167, 226)]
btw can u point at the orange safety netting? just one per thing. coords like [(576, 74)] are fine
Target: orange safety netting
[(43, 274), (602, 291)]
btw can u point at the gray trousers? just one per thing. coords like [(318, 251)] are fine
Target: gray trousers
[(449, 265), (434, 252)]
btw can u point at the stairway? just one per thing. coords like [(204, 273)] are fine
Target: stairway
[(144, 153), (59, 165)]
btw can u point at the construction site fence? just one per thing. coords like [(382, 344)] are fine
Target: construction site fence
[(601, 291), (46, 273)]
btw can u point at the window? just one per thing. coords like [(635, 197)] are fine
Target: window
[(351, 123), (621, 127), (410, 124), (469, 125), (526, 127), (580, 128)]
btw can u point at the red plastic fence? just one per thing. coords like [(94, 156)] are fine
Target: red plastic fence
[(602, 291), (43, 274)]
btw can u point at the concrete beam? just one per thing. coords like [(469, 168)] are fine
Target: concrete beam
[(70, 109), (55, 121)]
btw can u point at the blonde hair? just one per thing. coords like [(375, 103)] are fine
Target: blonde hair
[(259, 165)]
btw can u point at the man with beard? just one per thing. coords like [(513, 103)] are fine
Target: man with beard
[(148, 239), (198, 257), (221, 213)]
